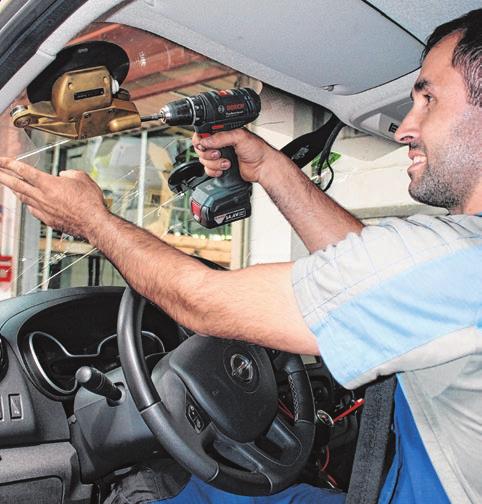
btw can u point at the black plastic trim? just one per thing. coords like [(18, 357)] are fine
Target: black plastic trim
[(385, 15), (40, 20)]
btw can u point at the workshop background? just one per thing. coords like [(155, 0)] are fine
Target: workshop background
[(132, 168)]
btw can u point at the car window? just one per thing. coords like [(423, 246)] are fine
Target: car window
[(132, 168)]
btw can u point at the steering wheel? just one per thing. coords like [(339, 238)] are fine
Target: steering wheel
[(213, 396)]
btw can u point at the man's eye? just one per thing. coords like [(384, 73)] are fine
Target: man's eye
[(428, 98)]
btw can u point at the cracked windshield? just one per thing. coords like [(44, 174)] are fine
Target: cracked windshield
[(132, 168), (133, 162)]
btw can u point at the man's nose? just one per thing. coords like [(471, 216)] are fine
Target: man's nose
[(408, 131)]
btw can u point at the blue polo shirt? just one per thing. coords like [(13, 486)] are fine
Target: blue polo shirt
[(404, 297)]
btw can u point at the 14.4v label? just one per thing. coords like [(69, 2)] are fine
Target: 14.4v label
[(230, 216)]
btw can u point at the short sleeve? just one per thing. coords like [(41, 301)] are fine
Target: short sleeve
[(402, 295)]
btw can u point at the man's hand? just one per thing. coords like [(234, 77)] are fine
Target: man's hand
[(72, 202), (300, 201), (254, 154)]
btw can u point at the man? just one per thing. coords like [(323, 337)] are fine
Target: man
[(402, 297)]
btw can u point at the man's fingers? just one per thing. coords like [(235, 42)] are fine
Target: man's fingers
[(212, 154), (29, 173), (29, 201), (217, 165), (206, 153), (195, 141), (73, 174), (38, 214), (213, 173), (219, 140), (18, 185), (9, 171)]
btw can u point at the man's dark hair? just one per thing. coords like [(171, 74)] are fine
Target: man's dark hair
[(467, 55)]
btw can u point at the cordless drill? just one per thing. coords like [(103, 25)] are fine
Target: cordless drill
[(224, 199)]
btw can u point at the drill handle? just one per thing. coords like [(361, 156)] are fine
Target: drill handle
[(231, 176)]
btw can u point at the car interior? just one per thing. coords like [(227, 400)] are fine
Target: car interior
[(94, 379)]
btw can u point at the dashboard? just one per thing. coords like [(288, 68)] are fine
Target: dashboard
[(63, 330), (44, 338), (51, 429)]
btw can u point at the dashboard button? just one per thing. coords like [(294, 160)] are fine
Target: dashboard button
[(194, 418), (191, 412), (198, 424), (15, 402)]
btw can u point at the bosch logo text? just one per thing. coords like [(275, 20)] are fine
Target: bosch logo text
[(234, 106)]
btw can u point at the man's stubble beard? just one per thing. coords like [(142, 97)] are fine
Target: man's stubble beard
[(453, 166)]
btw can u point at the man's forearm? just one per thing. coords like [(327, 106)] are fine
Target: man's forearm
[(156, 270), (242, 304), (318, 220)]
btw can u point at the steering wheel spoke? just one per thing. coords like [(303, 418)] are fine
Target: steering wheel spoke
[(211, 395), (286, 435), (279, 447), (191, 421)]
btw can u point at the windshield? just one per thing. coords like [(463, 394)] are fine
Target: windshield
[(132, 169)]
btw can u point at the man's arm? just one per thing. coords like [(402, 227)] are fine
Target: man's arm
[(255, 304), (318, 220)]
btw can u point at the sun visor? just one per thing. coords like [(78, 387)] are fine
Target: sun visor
[(343, 47)]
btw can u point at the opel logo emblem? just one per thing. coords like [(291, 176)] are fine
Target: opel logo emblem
[(242, 368)]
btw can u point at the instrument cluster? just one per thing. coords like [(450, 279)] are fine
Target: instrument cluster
[(53, 366)]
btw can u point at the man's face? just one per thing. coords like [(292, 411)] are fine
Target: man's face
[(443, 133)]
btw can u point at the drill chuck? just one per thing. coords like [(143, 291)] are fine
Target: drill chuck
[(178, 113)]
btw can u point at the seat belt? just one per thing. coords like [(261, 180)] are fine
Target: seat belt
[(368, 472)]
